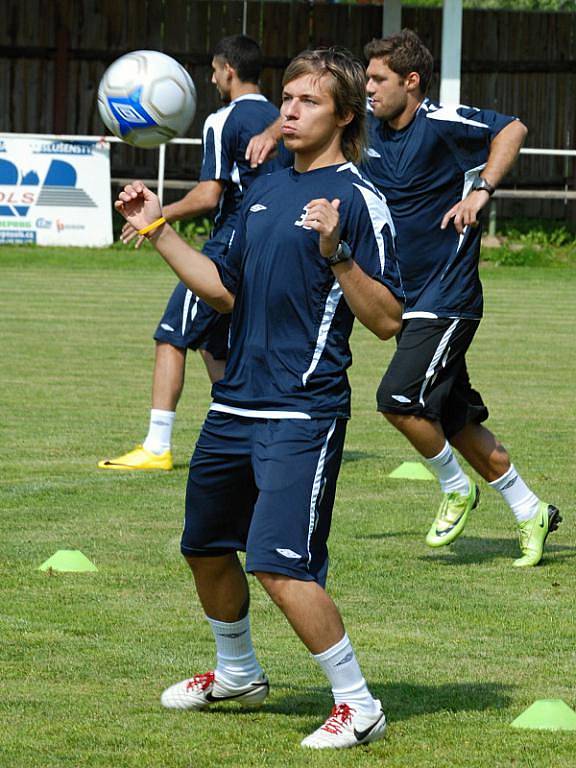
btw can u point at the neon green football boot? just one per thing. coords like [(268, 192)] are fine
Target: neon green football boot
[(534, 532), (139, 458), (452, 516)]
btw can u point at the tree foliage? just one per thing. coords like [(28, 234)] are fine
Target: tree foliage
[(510, 5)]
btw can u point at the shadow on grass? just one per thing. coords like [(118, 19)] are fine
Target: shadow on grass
[(401, 701), (468, 551), (388, 535), (404, 700), (350, 456)]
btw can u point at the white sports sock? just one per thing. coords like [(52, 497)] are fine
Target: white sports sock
[(343, 671), (517, 495), (236, 662), (446, 468), (159, 437)]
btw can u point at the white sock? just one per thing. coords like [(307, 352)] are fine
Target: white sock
[(159, 437), (446, 468), (343, 671), (236, 662), (517, 495)]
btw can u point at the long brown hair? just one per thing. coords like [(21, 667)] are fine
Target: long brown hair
[(347, 87)]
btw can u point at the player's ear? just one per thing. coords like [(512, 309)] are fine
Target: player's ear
[(346, 120), (412, 82)]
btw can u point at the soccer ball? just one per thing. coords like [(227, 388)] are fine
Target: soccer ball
[(146, 98)]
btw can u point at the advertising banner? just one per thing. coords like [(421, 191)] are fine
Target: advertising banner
[(55, 190)]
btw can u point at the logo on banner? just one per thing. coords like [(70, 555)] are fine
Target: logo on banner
[(19, 191)]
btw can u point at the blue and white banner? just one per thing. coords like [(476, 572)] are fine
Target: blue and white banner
[(55, 190)]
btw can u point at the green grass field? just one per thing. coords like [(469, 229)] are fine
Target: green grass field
[(456, 643)]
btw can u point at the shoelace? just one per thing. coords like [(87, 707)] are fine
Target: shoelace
[(524, 534), (201, 681), (341, 715), (451, 509)]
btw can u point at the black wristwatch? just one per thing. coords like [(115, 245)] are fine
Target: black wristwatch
[(342, 253), (481, 183)]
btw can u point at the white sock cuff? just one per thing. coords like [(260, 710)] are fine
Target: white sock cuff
[(443, 455), (230, 627), (334, 650), (157, 413), (501, 483)]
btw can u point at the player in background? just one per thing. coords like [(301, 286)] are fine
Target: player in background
[(313, 247), (438, 166), (187, 322)]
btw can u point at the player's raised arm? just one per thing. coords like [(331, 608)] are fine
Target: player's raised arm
[(504, 150), (371, 302), (263, 145), (141, 208), (199, 201)]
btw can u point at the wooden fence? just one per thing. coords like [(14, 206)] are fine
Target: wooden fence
[(52, 55)]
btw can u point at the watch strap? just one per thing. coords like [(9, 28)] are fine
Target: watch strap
[(342, 253)]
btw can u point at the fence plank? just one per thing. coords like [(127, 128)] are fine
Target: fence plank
[(525, 64)]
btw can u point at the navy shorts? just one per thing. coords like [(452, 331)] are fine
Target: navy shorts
[(189, 323), (427, 375), (266, 487)]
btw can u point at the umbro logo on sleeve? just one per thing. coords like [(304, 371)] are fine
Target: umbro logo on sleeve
[(258, 207)]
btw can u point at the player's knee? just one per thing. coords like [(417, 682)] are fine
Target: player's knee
[(208, 567), (275, 584), (385, 400), (392, 418)]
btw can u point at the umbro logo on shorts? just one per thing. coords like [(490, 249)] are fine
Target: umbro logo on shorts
[(289, 553), (401, 398), (372, 153), (258, 207), (166, 327)]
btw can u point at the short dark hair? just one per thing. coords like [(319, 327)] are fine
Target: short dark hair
[(403, 52), (243, 54), (347, 86)]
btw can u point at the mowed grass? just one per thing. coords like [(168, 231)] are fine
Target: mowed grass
[(456, 643)]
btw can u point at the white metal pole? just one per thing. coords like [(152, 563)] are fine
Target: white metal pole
[(451, 52), (161, 167), (391, 17)]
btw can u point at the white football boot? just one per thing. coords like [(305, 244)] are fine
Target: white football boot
[(201, 691), (347, 728)]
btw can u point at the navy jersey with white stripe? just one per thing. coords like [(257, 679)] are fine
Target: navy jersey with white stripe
[(424, 169), (290, 326), (226, 135)]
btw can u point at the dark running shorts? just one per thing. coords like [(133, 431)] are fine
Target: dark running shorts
[(189, 323), (266, 487), (427, 375)]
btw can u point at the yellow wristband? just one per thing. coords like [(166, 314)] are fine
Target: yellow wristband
[(153, 226)]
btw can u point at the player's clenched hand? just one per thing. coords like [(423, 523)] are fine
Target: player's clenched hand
[(465, 213), (260, 148), (129, 233), (138, 205), (322, 216)]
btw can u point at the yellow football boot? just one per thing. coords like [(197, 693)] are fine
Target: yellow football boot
[(139, 458), (534, 532)]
